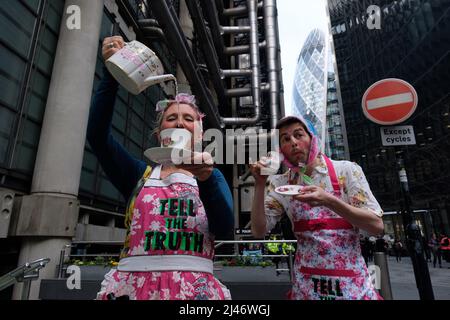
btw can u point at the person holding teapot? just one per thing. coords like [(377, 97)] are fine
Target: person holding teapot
[(173, 213)]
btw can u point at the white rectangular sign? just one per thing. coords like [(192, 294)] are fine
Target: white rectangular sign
[(398, 136)]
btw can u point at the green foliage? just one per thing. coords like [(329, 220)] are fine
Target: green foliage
[(97, 261), (248, 261)]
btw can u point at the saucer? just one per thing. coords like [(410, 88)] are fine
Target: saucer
[(289, 190), (168, 156)]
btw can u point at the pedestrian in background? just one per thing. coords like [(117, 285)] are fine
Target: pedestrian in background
[(398, 249), (426, 248), (275, 248), (445, 247), (433, 244), (381, 245)]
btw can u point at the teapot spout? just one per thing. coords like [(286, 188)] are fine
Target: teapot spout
[(158, 79)]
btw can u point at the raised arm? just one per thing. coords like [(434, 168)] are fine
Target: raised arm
[(268, 208), (258, 216), (122, 169)]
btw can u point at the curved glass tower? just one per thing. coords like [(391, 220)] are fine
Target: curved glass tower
[(310, 82)]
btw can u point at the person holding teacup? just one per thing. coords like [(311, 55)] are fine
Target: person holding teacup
[(174, 212), (326, 216)]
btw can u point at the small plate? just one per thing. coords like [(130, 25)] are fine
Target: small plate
[(164, 155), (289, 190)]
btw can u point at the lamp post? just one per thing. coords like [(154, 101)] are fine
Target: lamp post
[(414, 241)]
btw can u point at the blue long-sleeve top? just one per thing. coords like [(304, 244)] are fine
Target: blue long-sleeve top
[(124, 171)]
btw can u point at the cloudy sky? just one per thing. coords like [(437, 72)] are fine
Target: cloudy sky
[(296, 19)]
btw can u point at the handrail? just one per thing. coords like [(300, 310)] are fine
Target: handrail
[(219, 243), (26, 273)]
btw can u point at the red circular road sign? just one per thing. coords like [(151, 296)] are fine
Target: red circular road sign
[(390, 101)]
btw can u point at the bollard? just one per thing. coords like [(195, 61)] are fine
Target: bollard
[(380, 260)]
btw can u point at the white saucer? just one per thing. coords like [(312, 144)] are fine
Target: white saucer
[(289, 190), (168, 156)]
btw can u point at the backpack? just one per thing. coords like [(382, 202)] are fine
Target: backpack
[(130, 208)]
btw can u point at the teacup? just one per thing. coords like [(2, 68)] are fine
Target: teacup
[(271, 163), (176, 138), (136, 67)]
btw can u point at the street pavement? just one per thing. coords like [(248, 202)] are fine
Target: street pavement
[(403, 282)]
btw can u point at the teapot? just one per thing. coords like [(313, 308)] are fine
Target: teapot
[(136, 67)]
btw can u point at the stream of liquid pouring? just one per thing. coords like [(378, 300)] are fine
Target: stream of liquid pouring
[(176, 86)]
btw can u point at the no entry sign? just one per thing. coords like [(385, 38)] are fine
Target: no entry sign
[(390, 101)]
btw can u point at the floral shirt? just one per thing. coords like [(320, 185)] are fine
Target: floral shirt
[(354, 186)]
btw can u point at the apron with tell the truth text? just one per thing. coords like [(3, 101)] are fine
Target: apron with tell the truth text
[(170, 249), (328, 263)]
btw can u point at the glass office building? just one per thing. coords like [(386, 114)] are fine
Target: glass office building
[(310, 82), (413, 44), (316, 97), (335, 137)]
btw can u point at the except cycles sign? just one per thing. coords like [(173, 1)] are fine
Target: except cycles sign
[(398, 136), (389, 101)]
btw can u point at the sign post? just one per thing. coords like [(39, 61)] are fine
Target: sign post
[(390, 102), (414, 241)]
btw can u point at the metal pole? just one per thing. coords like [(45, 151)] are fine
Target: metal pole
[(26, 289), (414, 240), (291, 268), (380, 260), (59, 272)]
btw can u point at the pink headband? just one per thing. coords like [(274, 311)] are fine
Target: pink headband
[(184, 98)]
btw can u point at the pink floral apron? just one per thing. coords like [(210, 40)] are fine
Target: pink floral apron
[(328, 262), (170, 253)]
